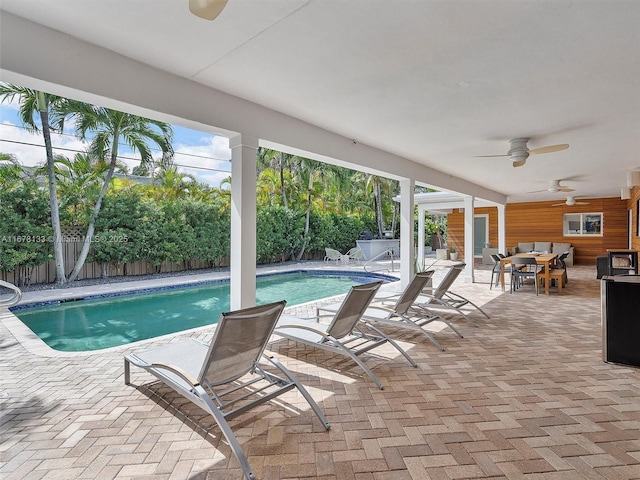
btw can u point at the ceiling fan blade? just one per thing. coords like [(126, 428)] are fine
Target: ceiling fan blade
[(567, 189), (559, 204), (581, 203), (549, 148), (207, 9), (519, 163), (539, 191)]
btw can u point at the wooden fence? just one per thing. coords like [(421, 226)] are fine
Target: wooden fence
[(46, 272)]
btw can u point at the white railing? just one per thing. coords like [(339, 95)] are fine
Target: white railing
[(387, 254), (14, 297)]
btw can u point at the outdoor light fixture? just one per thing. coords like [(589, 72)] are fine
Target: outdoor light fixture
[(633, 179), (625, 193)]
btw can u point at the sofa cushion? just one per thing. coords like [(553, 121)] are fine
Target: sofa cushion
[(560, 247), (542, 247), (524, 247)]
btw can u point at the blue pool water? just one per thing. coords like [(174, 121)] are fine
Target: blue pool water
[(108, 321)]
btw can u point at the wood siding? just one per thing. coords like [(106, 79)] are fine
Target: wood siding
[(540, 221), (633, 206)]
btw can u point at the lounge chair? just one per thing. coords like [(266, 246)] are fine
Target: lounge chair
[(441, 297), (356, 254), (332, 255), (346, 334), (405, 312), (216, 376)]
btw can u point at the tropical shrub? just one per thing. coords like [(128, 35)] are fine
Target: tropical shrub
[(25, 230)]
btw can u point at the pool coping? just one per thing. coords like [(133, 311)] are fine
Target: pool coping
[(36, 346)]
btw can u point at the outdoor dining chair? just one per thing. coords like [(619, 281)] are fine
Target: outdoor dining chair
[(523, 268)]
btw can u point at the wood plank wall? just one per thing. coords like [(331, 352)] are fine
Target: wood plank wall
[(540, 221), (633, 206)]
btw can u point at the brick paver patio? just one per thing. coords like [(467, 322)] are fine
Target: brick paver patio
[(524, 395)]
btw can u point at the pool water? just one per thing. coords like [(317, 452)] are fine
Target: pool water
[(94, 324)]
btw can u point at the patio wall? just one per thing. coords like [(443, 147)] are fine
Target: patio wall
[(540, 221)]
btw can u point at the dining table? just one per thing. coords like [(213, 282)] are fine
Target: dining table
[(544, 259)]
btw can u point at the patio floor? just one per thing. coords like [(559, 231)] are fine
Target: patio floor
[(524, 395)]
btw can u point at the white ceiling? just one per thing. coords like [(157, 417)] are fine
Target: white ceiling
[(437, 82)]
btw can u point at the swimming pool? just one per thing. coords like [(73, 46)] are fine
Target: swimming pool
[(95, 323)]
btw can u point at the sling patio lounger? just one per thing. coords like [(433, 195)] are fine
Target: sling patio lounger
[(346, 334), (441, 297), (224, 377), (405, 312)]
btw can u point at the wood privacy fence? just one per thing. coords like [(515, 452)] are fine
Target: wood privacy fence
[(46, 272)]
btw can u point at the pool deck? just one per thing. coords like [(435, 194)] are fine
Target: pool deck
[(525, 395)]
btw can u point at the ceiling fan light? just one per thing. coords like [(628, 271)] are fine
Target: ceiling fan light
[(519, 158), (207, 9), (625, 193)]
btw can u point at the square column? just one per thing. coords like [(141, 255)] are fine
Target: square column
[(407, 228), (243, 221), (469, 275), (502, 236)]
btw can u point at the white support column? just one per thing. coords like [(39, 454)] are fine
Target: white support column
[(243, 221), (502, 229), (407, 229), (468, 239), (421, 212)]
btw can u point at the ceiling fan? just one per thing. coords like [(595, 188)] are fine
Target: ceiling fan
[(555, 187), (519, 152), (207, 9), (571, 201)]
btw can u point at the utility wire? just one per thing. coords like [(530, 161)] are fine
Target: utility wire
[(129, 158)]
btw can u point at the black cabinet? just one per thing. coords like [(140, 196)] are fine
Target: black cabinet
[(621, 320)]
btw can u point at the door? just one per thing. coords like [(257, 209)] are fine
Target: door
[(480, 233)]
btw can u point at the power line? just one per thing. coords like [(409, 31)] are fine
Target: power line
[(195, 155), (121, 157)]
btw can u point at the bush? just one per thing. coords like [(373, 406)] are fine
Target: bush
[(25, 230)]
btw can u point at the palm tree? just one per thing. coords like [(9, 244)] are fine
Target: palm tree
[(48, 109), (171, 184), (377, 185), (79, 182), (109, 128), (277, 161), (10, 170)]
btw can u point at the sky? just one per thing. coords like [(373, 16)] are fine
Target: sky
[(203, 155)]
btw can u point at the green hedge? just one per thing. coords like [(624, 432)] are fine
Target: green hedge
[(25, 229), (136, 228), (132, 227)]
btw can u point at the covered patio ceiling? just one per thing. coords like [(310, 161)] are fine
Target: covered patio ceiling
[(431, 82)]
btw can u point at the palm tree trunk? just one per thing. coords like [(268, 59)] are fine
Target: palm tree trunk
[(283, 191), (378, 205), (86, 245), (58, 253), (305, 236)]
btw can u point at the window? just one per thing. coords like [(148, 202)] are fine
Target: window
[(582, 224)]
